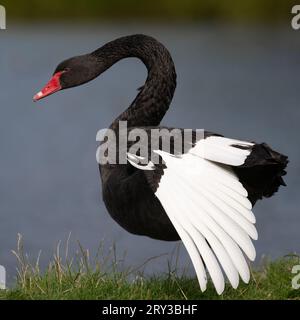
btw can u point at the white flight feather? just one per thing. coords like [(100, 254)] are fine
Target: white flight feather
[(201, 217), (233, 210), (216, 210), (216, 207), (227, 227), (209, 208), (190, 211), (202, 251), (235, 195), (186, 239), (220, 149)]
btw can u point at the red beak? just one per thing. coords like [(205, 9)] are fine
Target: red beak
[(52, 86)]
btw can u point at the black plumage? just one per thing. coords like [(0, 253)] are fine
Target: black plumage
[(129, 193)]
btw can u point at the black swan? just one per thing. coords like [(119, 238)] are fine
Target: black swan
[(203, 196)]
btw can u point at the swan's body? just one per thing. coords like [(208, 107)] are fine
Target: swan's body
[(203, 196)]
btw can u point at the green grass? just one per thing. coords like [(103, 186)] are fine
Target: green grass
[(77, 279)]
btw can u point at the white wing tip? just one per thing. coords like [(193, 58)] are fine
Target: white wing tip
[(246, 275), (253, 255), (220, 289)]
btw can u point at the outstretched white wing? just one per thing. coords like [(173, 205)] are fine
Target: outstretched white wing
[(210, 210)]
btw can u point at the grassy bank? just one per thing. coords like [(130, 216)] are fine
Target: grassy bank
[(78, 279)]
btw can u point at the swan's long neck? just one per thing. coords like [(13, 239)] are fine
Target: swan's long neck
[(154, 98)]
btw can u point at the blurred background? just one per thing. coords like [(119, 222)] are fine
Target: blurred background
[(238, 66)]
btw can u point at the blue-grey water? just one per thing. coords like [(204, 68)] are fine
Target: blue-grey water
[(241, 82)]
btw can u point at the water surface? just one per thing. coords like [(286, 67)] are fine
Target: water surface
[(242, 83)]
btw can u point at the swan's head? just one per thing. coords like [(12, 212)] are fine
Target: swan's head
[(70, 73)]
